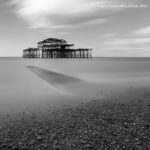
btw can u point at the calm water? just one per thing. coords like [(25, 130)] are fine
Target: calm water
[(20, 87)]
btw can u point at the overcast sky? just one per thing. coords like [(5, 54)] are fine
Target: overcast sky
[(110, 27)]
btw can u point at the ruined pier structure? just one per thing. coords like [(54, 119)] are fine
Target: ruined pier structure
[(56, 48)]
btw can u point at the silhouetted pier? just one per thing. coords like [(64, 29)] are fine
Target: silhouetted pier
[(56, 48)]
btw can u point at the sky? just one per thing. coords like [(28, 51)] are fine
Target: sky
[(112, 28)]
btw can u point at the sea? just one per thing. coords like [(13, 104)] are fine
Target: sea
[(31, 83)]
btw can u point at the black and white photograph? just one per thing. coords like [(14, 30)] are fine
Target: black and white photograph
[(74, 74)]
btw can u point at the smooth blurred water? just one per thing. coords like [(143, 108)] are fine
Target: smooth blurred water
[(19, 87)]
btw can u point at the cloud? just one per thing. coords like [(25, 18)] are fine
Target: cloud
[(63, 13), (108, 35), (142, 31), (56, 33), (128, 46), (128, 41)]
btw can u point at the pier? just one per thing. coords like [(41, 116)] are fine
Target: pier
[(56, 48)]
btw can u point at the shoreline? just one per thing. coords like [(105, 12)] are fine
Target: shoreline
[(112, 123)]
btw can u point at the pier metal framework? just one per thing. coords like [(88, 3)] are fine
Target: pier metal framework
[(56, 48), (30, 53)]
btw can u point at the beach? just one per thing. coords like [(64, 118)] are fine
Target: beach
[(79, 104), (114, 124), (74, 75)]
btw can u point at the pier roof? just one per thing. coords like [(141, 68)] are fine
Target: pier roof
[(30, 49), (58, 45), (53, 40)]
